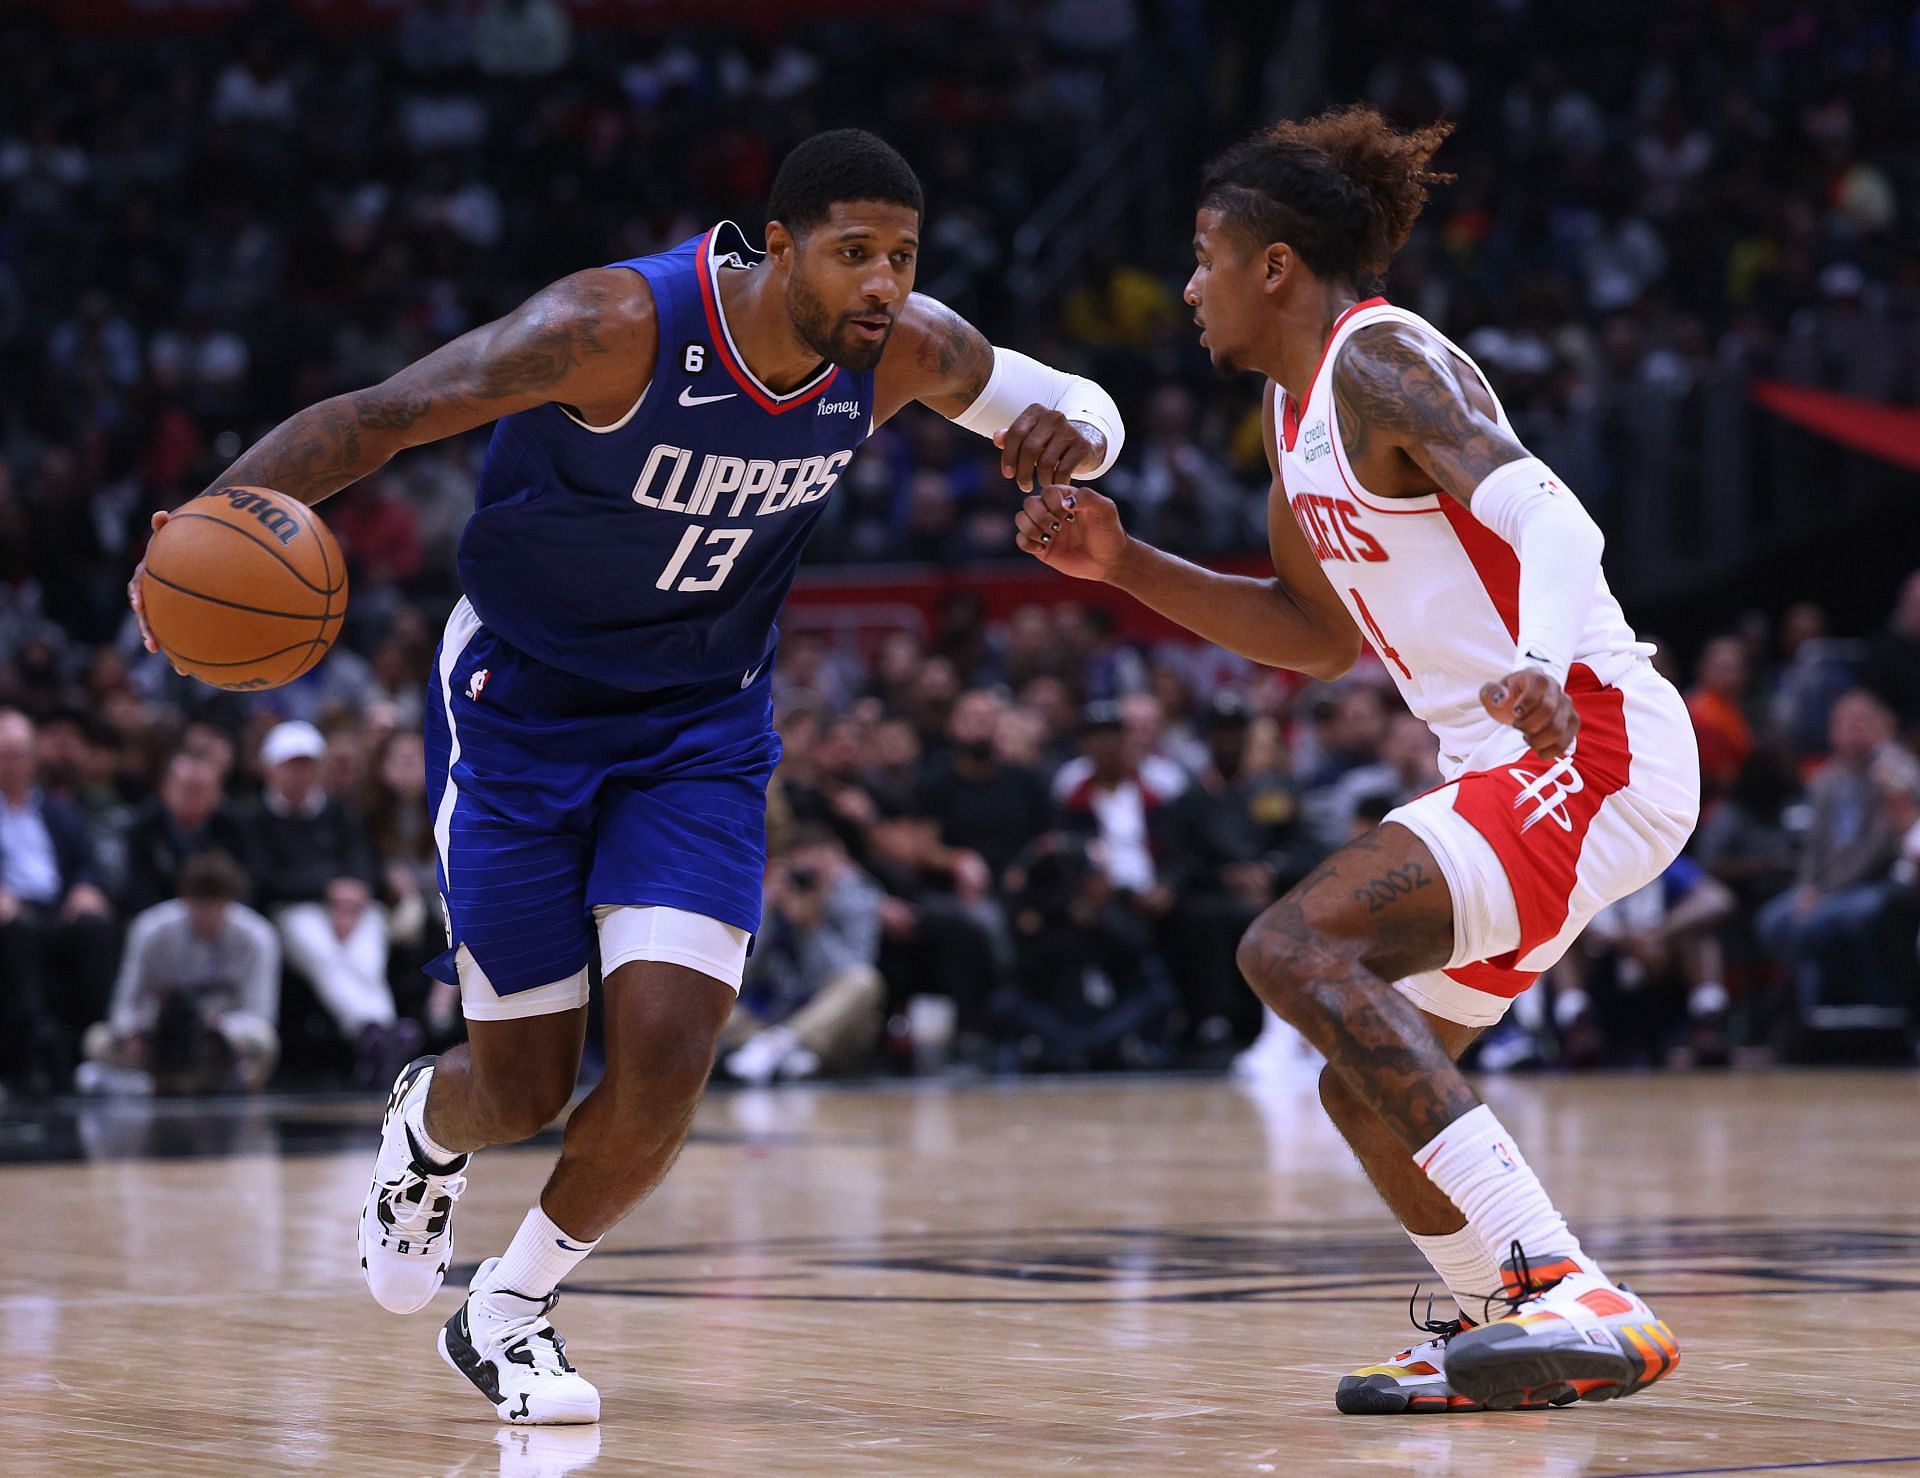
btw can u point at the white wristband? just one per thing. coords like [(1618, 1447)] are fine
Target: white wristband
[(1559, 546), (1019, 381)]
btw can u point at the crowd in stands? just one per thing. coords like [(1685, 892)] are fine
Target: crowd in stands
[(1020, 842)]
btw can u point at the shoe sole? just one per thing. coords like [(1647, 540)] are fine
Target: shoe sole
[(1363, 1399), (1505, 1369), (402, 1085), (465, 1361)]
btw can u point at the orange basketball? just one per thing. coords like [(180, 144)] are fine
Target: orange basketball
[(244, 588)]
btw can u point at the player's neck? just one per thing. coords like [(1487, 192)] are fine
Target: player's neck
[(1302, 330), (763, 331)]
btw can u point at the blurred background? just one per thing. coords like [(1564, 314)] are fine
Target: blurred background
[(1020, 824)]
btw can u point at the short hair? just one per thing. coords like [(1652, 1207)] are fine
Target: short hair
[(1342, 189), (840, 165), (212, 877)]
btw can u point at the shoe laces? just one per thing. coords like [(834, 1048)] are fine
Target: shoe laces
[(1441, 1329), (1523, 1274), (414, 1218), (528, 1338)]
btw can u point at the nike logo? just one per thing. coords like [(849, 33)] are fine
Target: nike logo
[(565, 1246), (687, 397), (752, 673)]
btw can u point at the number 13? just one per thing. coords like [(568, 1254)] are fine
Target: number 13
[(719, 566)]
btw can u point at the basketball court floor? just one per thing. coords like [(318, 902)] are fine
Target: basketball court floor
[(1154, 1276)]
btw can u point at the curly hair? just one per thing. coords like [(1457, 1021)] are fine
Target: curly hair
[(1342, 189)]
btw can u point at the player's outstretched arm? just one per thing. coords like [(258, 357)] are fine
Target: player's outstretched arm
[(1400, 387), (1050, 426), (1293, 620), (587, 341)]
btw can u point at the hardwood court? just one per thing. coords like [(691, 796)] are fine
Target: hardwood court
[(1146, 1276)]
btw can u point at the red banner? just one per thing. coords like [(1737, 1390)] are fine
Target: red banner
[(1889, 432)]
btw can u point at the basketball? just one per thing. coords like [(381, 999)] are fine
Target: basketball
[(244, 588)]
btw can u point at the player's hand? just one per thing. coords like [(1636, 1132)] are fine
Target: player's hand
[(134, 599), (1073, 530), (1043, 446), (1537, 706)]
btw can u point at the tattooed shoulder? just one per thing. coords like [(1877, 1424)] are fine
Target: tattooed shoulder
[(952, 358), (1395, 386)]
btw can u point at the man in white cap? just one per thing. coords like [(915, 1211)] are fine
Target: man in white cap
[(315, 873)]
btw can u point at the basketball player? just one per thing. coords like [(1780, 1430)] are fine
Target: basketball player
[(600, 719), (1403, 507)]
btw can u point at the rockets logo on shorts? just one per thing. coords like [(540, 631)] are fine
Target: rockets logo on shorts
[(1565, 781)]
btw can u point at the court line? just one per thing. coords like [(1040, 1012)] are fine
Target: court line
[(1839, 1462)]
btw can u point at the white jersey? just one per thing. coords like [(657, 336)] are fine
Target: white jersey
[(1435, 591)]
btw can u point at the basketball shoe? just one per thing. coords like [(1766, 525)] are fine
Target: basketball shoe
[(504, 1343), (406, 1226), (1566, 1330), (1414, 1382)]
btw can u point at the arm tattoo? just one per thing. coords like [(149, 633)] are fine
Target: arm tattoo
[(1394, 388), (957, 356), (320, 450)]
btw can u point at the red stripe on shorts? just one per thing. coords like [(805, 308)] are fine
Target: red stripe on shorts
[(1538, 838)]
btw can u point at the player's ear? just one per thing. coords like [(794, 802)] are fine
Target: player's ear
[(1279, 263), (780, 244)]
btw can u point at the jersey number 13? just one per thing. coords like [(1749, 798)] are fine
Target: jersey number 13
[(727, 542)]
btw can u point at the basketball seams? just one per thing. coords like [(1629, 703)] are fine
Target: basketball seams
[(329, 590), (320, 616)]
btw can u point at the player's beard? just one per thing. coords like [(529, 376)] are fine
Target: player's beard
[(820, 331)]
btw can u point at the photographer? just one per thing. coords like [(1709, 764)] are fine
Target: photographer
[(199, 989), (812, 1000)]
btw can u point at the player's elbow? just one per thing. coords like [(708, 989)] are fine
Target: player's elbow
[(1338, 650)]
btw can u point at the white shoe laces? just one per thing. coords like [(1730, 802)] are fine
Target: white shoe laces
[(414, 1217), (533, 1329)]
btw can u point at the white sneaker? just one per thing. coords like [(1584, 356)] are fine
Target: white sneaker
[(406, 1227), (503, 1342)]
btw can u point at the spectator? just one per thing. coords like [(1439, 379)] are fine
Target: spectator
[(56, 927), (1892, 669), (400, 828), (1717, 704), (979, 811), (1104, 794), (1408, 766), (315, 873), (812, 998), (198, 994), (1231, 841), (1648, 965), (1823, 926), (1088, 989), (185, 818)]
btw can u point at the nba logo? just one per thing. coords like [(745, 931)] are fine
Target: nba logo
[(477, 683), (1505, 1159)]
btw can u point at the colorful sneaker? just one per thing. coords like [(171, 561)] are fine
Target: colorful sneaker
[(406, 1226), (1568, 1335), (1413, 1382), (504, 1344)]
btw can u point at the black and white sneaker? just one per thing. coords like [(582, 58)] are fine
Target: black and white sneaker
[(503, 1342), (406, 1226)]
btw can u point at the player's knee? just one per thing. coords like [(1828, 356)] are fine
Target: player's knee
[(665, 1070), (521, 1109), (1274, 962)]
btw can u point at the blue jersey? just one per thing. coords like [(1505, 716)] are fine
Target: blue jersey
[(656, 552)]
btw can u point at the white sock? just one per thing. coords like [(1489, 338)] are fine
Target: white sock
[(538, 1257), (1479, 1167), (413, 1113), (1471, 1273)]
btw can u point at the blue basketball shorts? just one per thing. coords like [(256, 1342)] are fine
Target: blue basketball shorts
[(554, 796)]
